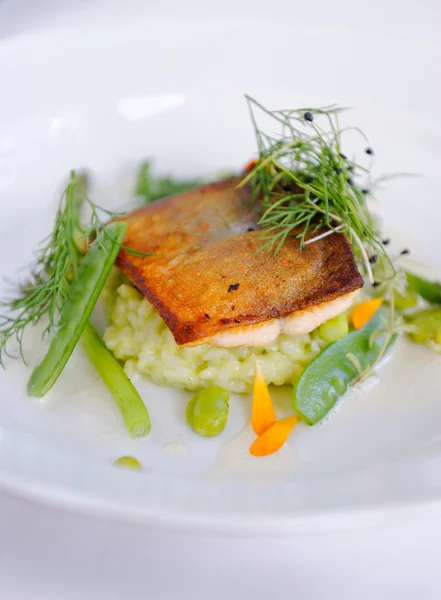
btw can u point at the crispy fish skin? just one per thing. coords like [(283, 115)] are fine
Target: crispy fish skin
[(207, 276)]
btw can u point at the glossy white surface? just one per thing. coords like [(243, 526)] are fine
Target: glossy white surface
[(106, 104), (168, 88)]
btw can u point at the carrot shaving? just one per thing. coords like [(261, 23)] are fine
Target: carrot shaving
[(250, 165), (263, 415), (274, 437), (364, 311)]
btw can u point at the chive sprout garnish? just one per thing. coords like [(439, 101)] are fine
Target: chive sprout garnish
[(307, 184)]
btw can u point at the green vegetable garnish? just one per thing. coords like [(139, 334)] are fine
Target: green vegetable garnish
[(127, 399), (207, 412), (428, 290), (328, 376), (425, 325), (152, 188), (56, 266), (77, 308)]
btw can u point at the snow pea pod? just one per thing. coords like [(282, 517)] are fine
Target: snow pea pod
[(75, 312), (428, 290), (329, 375)]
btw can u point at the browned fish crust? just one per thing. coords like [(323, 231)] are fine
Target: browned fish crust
[(207, 276)]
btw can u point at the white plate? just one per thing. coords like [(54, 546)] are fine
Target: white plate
[(173, 90)]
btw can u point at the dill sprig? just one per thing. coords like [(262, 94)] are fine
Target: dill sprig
[(306, 184), (56, 263)]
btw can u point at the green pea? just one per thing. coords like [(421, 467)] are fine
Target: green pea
[(207, 412), (334, 329)]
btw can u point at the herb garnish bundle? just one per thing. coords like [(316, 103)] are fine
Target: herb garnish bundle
[(305, 181), (56, 264)]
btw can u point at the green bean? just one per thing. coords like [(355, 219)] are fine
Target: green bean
[(426, 325), (75, 312), (428, 290), (207, 412), (334, 329), (126, 397), (328, 376)]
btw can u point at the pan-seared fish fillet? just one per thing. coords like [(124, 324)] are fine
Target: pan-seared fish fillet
[(209, 283)]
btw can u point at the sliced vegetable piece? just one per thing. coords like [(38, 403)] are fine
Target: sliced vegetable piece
[(328, 376), (428, 290), (127, 399), (263, 415), (84, 292), (207, 412), (364, 311), (274, 437), (334, 329), (128, 462), (426, 325)]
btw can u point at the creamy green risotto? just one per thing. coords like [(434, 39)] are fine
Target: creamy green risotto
[(137, 335)]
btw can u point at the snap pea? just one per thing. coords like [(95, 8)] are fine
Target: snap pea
[(328, 376), (426, 325), (207, 412), (126, 397), (75, 312), (428, 290)]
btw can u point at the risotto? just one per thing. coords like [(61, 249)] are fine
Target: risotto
[(138, 336)]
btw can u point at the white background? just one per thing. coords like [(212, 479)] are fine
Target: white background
[(49, 554)]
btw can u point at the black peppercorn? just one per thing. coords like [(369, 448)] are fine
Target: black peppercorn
[(308, 117)]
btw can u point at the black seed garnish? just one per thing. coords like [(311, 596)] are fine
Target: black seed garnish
[(376, 284), (365, 191), (339, 171), (350, 168), (350, 181), (207, 316), (286, 187), (308, 116), (405, 251), (373, 259), (233, 287), (369, 151), (250, 229), (309, 179), (386, 241), (344, 157)]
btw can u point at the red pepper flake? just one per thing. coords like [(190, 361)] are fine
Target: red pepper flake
[(233, 287)]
